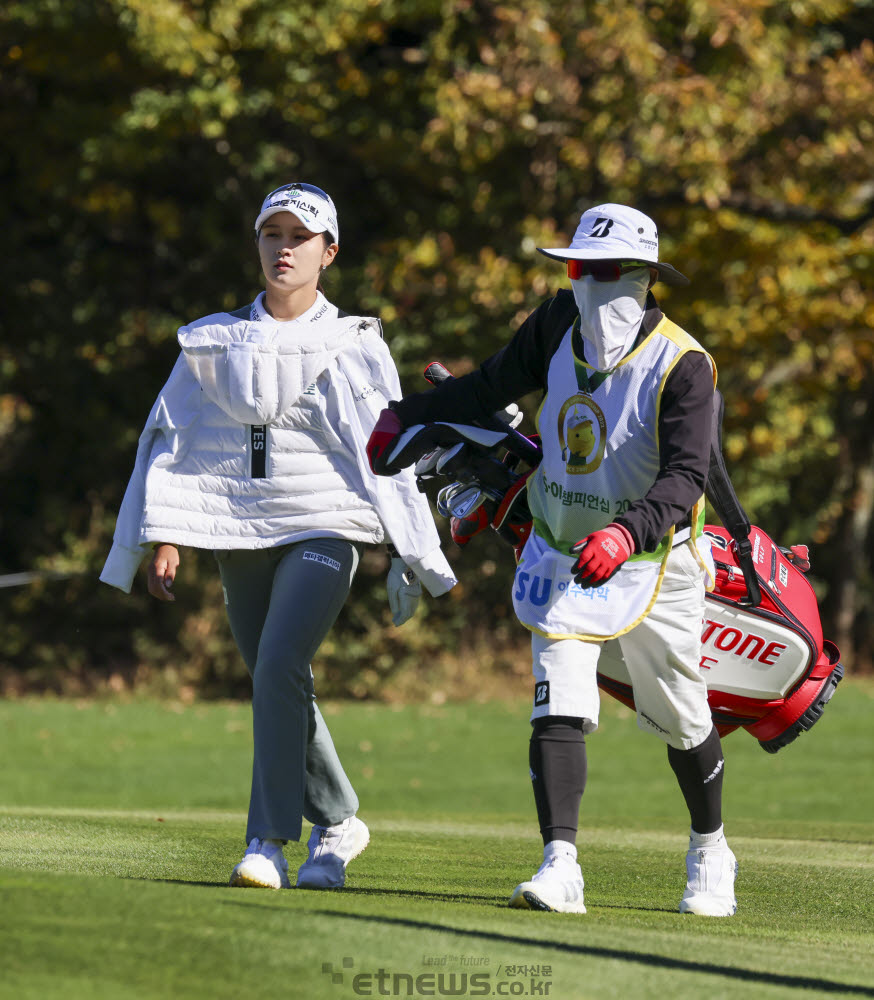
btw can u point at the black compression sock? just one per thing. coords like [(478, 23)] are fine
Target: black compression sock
[(557, 758), (699, 772)]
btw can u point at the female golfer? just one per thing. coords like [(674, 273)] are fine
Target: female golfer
[(255, 450)]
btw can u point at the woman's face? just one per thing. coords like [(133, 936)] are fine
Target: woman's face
[(292, 256)]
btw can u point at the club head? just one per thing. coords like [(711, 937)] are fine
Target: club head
[(444, 497), (458, 500)]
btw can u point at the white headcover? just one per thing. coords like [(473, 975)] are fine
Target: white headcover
[(610, 314)]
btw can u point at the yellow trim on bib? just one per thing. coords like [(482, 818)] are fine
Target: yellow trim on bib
[(539, 411), (698, 517)]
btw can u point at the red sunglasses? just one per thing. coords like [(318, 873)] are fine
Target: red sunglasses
[(602, 270)]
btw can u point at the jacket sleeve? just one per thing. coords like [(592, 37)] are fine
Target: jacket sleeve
[(516, 369), (368, 381), (128, 548), (684, 424)]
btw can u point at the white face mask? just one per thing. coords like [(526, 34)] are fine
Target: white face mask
[(610, 314)]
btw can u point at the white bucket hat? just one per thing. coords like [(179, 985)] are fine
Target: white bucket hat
[(620, 233), (309, 203)]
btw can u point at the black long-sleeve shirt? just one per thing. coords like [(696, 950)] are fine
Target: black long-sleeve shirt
[(521, 366)]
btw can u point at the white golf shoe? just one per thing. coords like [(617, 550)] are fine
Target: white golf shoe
[(331, 849), (263, 866), (710, 887), (557, 886)]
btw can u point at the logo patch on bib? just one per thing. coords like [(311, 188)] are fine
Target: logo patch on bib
[(582, 434)]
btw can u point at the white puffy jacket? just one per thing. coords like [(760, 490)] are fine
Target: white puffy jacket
[(258, 439)]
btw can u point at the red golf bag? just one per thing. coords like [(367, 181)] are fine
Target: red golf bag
[(768, 668)]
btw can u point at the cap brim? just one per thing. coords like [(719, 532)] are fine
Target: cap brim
[(313, 227), (600, 253), (667, 273), (670, 275)]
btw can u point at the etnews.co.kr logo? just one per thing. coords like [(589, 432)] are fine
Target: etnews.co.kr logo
[(517, 981)]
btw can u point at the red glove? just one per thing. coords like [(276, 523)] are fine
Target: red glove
[(601, 555), (383, 435)]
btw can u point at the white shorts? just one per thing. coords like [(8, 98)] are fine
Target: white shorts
[(661, 656)]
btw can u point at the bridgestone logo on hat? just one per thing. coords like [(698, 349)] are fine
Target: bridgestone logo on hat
[(307, 202), (619, 233), (602, 227)]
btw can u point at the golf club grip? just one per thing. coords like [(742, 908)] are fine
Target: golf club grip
[(437, 373)]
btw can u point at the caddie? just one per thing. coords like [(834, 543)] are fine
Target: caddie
[(616, 563)]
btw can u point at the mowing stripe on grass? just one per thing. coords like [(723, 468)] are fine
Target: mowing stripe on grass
[(780, 850)]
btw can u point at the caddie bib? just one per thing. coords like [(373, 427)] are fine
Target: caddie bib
[(599, 435)]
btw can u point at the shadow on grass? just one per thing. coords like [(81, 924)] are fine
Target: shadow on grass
[(592, 951), (176, 881), (445, 897), (498, 901), (454, 897), (621, 955), (450, 897)]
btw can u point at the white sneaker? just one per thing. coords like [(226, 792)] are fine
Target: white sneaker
[(557, 886), (263, 866), (710, 886), (331, 849)]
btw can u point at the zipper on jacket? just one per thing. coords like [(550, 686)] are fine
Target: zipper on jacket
[(258, 441)]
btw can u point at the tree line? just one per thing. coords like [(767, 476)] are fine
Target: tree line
[(455, 137)]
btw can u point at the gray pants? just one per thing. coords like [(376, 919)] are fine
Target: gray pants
[(281, 603)]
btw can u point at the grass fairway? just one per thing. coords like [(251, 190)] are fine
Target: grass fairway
[(121, 822)]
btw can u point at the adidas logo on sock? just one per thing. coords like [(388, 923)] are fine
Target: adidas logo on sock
[(715, 771)]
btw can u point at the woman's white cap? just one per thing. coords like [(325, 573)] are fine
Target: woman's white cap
[(617, 232), (309, 203)]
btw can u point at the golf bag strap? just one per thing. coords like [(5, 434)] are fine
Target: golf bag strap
[(722, 497)]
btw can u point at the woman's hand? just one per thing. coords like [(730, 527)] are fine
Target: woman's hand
[(162, 571)]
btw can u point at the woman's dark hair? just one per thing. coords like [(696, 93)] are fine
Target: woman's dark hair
[(327, 240)]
